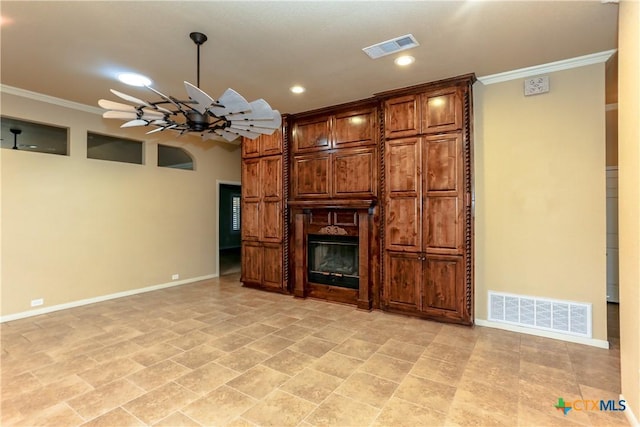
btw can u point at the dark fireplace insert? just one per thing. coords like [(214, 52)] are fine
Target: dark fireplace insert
[(333, 260)]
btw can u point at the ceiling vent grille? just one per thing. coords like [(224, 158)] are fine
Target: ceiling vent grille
[(565, 317), (391, 46)]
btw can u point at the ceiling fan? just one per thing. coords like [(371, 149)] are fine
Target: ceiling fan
[(229, 117)]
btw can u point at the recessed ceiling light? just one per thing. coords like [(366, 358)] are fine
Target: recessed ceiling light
[(404, 60), (134, 79), (297, 89)]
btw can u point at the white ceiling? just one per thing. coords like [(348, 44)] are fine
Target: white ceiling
[(74, 49)]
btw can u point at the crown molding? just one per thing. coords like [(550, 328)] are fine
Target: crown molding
[(565, 64), (49, 99)]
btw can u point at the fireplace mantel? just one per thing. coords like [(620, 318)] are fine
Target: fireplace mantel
[(333, 204)]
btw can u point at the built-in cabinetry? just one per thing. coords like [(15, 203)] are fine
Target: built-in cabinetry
[(264, 212), (427, 212)]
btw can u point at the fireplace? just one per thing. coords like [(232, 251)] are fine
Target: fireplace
[(333, 260)]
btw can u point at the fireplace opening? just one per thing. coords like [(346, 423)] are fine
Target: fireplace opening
[(333, 260)]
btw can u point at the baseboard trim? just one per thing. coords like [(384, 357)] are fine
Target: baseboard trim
[(633, 421), (542, 333), (79, 303)]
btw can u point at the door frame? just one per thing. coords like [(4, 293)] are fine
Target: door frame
[(216, 243)]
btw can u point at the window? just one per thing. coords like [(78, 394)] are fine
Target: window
[(174, 157), (117, 149), (28, 136), (235, 213)]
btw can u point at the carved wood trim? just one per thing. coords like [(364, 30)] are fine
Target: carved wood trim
[(468, 211), (333, 230), (381, 237), (285, 197)]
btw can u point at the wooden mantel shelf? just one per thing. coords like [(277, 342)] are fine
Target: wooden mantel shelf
[(333, 204)]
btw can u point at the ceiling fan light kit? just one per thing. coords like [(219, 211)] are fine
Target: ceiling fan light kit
[(229, 117)]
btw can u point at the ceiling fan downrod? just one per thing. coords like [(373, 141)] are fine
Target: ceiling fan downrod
[(198, 39)]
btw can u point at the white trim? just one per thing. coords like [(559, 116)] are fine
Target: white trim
[(633, 421), (611, 107), (102, 298), (542, 333), (565, 64), (50, 99)]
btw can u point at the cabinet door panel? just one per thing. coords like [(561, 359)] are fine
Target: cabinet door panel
[(443, 162), (402, 117), (355, 173), (250, 220), (403, 225), (271, 144), (250, 147), (403, 276), (442, 111), (272, 266), (251, 262), (271, 177), (443, 223), (251, 185), (311, 134), (311, 174), (354, 128), (271, 229), (443, 292), (402, 164)]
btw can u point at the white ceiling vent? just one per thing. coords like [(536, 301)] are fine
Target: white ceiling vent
[(391, 46)]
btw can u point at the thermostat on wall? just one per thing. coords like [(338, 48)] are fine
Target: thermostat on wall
[(536, 85)]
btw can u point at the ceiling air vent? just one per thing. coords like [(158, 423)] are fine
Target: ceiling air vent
[(391, 46)]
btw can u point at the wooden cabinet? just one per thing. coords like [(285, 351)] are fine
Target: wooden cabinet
[(335, 155), (427, 210), (263, 212)]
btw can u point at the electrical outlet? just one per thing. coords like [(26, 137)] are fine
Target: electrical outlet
[(175, 277), (37, 302)]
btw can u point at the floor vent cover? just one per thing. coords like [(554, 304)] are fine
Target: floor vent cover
[(391, 46), (565, 317)]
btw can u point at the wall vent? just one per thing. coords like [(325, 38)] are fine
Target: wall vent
[(564, 317), (391, 46)]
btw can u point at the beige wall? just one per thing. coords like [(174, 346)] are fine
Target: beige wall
[(540, 191), (629, 199), (75, 228)]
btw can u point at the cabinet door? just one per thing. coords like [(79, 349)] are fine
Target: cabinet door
[(271, 144), (354, 128), (444, 190), (442, 110), (403, 204), (403, 278), (355, 172), (272, 266), (402, 116), (311, 175), (311, 134), (251, 199), (443, 292), (250, 147), (251, 262)]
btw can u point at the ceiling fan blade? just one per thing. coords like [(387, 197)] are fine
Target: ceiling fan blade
[(203, 100), (130, 98), (111, 105), (251, 134), (155, 130), (251, 128), (136, 122), (274, 123), (233, 102), (260, 110), (131, 115), (226, 135)]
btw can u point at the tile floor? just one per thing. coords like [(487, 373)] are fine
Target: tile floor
[(215, 353)]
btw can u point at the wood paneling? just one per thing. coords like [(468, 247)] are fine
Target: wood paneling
[(311, 134), (251, 262), (403, 276), (354, 128), (271, 221), (442, 293), (264, 145), (272, 265)]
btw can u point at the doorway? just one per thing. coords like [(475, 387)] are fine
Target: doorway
[(230, 220)]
